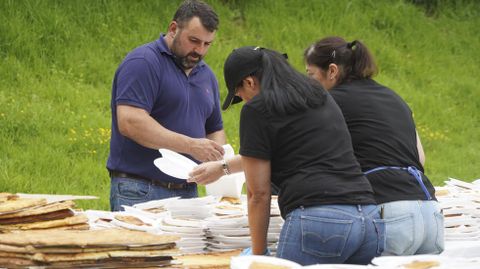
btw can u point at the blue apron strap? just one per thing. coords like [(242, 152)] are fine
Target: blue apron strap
[(418, 176), (376, 169), (412, 170)]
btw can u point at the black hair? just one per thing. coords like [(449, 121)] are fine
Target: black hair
[(193, 8), (284, 89), (353, 58)]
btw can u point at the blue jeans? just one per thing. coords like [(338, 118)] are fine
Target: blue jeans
[(413, 227), (332, 234), (129, 191)]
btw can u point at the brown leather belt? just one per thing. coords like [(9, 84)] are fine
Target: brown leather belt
[(167, 185)]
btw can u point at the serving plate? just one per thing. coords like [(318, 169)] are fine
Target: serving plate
[(174, 164)]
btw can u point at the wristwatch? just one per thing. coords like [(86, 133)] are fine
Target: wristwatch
[(226, 171)]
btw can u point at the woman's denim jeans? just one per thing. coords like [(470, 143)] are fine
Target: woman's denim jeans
[(332, 234), (413, 227), (128, 191)]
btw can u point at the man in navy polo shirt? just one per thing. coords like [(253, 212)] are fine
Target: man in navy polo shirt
[(165, 96)]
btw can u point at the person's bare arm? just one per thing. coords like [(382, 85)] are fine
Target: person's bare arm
[(421, 153), (257, 174), (218, 136), (136, 124), (209, 172)]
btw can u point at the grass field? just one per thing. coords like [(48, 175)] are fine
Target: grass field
[(58, 59)]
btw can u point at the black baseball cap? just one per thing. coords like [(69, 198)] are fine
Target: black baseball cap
[(241, 63)]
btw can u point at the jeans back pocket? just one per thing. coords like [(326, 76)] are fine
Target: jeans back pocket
[(324, 237), (400, 235), (440, 242)]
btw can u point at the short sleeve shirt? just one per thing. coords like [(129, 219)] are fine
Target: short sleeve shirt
[(383, 134), (311, 155), (149, 78)]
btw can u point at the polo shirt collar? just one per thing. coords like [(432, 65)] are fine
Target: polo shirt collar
[(163, 48)]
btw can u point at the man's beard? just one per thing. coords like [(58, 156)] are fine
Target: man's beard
[(183, 60)]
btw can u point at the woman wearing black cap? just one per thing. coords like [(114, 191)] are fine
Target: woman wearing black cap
[(385, 142), (293, 134)]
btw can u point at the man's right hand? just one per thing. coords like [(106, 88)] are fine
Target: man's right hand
[(205, 150)]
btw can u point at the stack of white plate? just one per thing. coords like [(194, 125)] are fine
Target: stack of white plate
[(229, 230), (191, 232), (156, 209), (205, 223), (461, 208), (186, 218), (195, 208)]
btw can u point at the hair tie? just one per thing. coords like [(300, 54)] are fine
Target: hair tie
[(351, 44)]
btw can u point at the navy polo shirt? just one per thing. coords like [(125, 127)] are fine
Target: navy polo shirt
[(148, 78)]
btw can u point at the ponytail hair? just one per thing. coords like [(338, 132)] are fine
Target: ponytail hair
[(353, 58), (284, 89)]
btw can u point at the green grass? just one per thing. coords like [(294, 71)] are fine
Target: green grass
[(58, 59)]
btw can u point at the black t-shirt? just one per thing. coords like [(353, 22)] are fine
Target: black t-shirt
[(383, 134), (310, 153)]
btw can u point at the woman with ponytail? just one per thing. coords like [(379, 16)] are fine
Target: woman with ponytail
[(293, 134), (385, 142)]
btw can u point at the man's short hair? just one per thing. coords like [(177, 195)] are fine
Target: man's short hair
[(193, 8)]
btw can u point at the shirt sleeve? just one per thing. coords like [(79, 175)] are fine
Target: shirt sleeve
[(214, 122), (255, 134), (136, 84)]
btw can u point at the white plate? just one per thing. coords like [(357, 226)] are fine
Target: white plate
[(459, 183), (168, 167), (156, 203), (186, 236), (230, 232), (276, 221), (169, 228), (275, 230), (183, 222), (214, 249), (233, 239), (99, 214), (191, 243), (220, 245), (177, 158), (174, 164), (243, 262), (232, 222), (228, 212), (195, 202), (462, 236), (397, 261), (463, 229), (180, 207), (143, 213), (190, 214), (459, 221), (457, 211)]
